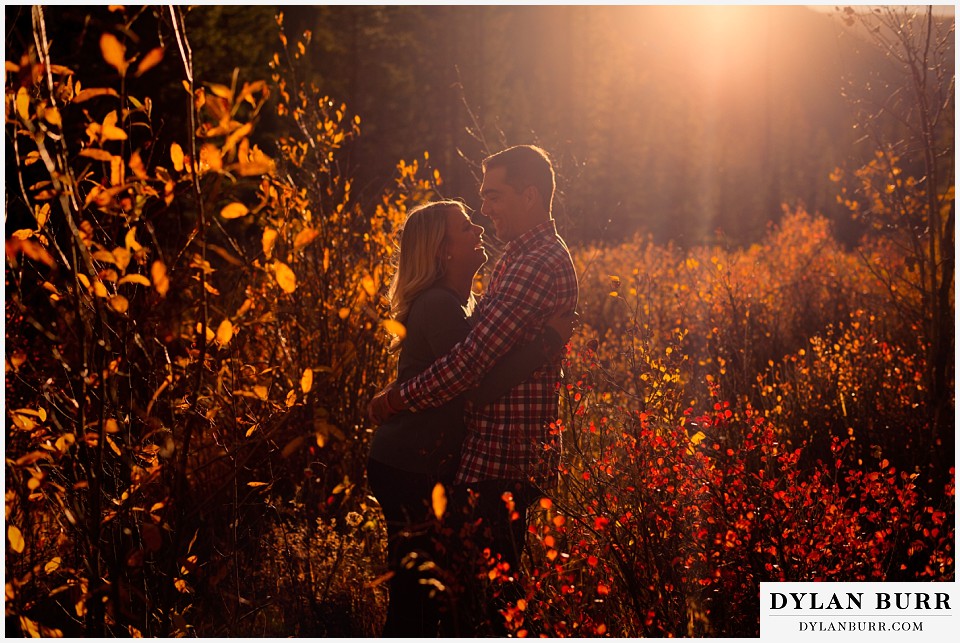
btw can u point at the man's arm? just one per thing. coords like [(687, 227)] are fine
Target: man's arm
[(522, 301)]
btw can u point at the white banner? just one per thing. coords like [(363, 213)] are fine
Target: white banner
[(859, 611)]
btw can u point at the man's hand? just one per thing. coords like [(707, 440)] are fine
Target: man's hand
[(385, 404)]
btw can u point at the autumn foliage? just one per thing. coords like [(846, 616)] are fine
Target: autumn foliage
[(194, 327)]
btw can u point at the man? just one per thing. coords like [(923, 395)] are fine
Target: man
[(504, 448)]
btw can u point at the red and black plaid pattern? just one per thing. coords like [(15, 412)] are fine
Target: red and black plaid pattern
[(533, 280)]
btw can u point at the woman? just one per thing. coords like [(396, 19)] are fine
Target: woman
[(441, 251)]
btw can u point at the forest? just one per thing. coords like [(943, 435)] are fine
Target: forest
[(201, 207)]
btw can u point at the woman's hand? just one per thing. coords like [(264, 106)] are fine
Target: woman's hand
[(380, 408)]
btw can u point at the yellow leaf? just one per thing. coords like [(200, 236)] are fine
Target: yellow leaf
[(16, 539), (104, 255), (42, 213), (234, 211), (306, 381), (52, 116), (130, 240), (26, 233), (23, 104), (182, 586), (87, 94), (52, 565), (285, 276), (261, 391), (99, 289), (152, 59), (221, 90), (343, 313), (395, 328), (122, 256), (96, 154), (113, 446), (114, 52), (109, 130), (119, 303), (176, 155), (210, 155), (206, 331), (224, 332), (292, 446), (439, 500), (158, 271), (304, 237), (269, 239), (257, 484), (368, 285)]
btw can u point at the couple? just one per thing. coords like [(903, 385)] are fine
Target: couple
[(476, 387)]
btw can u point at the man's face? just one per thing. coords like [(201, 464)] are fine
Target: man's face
[(503, 205)]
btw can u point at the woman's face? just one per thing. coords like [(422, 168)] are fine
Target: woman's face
[(463, 243)]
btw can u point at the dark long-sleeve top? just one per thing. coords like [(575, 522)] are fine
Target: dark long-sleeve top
[(429, 441)]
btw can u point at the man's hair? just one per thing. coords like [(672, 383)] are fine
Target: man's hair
[(526, 165)]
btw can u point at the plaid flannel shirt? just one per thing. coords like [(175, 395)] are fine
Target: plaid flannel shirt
[(533, 280)]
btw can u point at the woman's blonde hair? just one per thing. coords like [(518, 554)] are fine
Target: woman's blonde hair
[(420, 260)]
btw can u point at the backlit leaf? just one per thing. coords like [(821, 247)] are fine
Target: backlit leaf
[(23, 103), (257, 484), (16, 539), (234, 211), (87, 94), (224, 332), (395, 328), (269, 239), (119, 303), (306, 380), (114, 52), (211, 157), (368, 285), (438, 500), (158, 272), (285, 277), (292, 446), (97, 154), (109, 130), (151, 60), (176, 156), (304, 237), (52, 565)]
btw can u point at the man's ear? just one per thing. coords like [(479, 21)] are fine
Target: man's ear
[(531, 196)]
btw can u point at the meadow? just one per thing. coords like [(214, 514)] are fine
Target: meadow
[(194, 329)]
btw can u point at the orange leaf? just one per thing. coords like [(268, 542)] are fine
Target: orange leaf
[(17, 543), (109, 130), (153, 57), (306, 381), (23, 104), (224, 332), (269, 239), (114, 52), (304, 237), (87, 94), (158, 271), (176, 155), (438, 499), (285, 277), (395, 328), (234, 211)]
